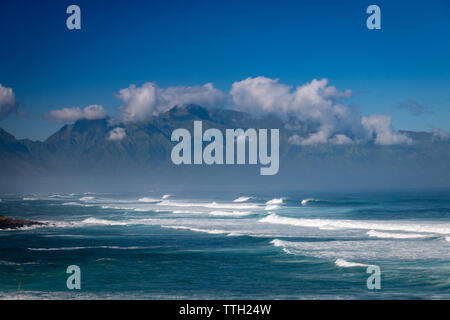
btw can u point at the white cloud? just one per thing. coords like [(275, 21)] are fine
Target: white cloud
[(315, 103), (8, 102), (341, 139), (295, 139), (261, 95), (318, 138), (380, 127), (265, 95), (91, 112), (116, 134), (140, 103), (439, 134)]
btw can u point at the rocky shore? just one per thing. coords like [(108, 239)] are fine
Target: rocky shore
[(9, 223)]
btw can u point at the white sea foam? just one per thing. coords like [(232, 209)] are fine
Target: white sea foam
[(87, 198), (117, 207), (130, 222), (377, 234), (277, 242), (231, 206), (166, 196), (72, 204), (351, 250), (105, 222), (29, 199), (147, 199), (346, 264), (447, 239), (213, 205), (229, 213), (186, 211), (55, 195), (210, 231), (441, 228), (77, 204), (235, 234), (272, 207), (242, 199), (306, 201), (275, 201), (180, 204)]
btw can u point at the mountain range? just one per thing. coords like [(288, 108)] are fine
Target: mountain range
[(81, 156)]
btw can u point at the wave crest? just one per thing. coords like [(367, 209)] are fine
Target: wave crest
[(275, 201), (346, 264), (350, 224), (242, 199)]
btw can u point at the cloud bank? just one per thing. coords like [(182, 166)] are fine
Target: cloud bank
[(141, 103), (316, 103), (91, 112), (8, 102), (440, 135), (316, 106), (380, 128)]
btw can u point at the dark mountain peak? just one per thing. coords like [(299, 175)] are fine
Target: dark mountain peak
[(85, 124), (190, 111), (82, 133), (6, 137), (417, 136)]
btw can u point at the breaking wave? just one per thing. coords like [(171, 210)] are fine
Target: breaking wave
[(242, 199), (87, 198), (77, 204), (306, 201), (377, 234), (210, 231), (146, 199), (350, 224), (213, 205), (105, 222), (230, 213), (275, 201), (346, 264)]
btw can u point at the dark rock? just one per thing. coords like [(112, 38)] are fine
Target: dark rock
[(9, 223)]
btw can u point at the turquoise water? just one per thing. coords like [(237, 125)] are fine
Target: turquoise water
[(291, 245)]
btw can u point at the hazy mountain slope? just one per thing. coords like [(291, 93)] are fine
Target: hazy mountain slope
[(81, 155)]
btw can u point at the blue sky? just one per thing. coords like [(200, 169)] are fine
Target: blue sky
[(195, 42)]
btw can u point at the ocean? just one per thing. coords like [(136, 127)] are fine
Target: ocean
[(283, 245)]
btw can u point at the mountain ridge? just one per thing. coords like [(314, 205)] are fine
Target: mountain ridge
[(82, 152)]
